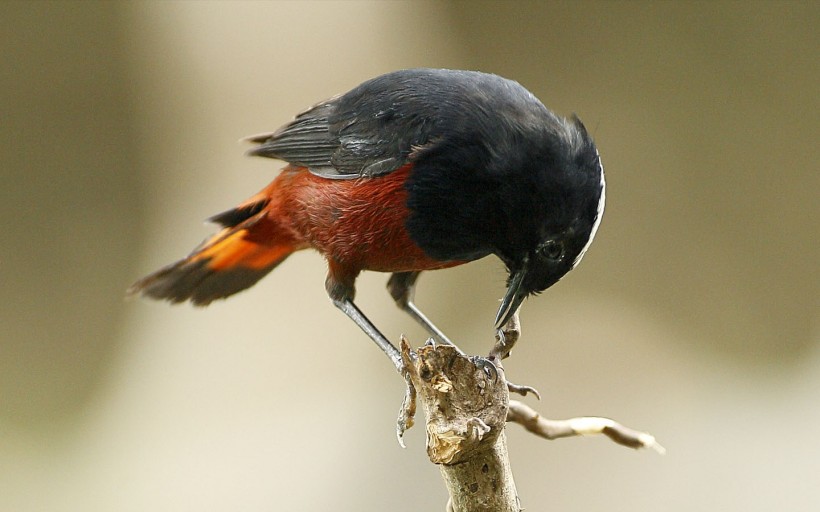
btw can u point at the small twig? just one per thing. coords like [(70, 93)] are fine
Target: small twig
[(407, 412), (583, 426), (523, 390), (505, 339)]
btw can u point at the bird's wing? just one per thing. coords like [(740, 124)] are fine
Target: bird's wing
[(378, 126), (306, 141), (339, 141)]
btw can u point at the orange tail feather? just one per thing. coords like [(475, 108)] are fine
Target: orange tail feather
[(250, 246)]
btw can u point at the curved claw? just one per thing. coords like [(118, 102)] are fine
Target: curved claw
[(487, 366)]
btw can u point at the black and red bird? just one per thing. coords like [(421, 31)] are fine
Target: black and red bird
[(414, 170)]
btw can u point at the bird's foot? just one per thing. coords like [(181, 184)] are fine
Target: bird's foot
[(487, 365)]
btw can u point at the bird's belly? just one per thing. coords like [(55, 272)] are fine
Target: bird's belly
[(359, 223)]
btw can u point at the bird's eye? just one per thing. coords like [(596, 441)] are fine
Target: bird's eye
[(551, 249)]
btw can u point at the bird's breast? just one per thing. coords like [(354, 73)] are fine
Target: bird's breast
[(359, 223)]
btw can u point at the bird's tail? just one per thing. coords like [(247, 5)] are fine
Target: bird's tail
[(250, 245)]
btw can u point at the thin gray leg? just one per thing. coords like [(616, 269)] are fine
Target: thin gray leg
[(355, 314), (401, 287)]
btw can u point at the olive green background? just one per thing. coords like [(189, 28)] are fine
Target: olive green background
[(694, 315)]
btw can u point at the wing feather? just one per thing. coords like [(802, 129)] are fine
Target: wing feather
[(379, 126)]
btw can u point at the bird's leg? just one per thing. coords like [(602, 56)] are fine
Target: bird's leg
[(339, 286), (355, 314), (401, 287)]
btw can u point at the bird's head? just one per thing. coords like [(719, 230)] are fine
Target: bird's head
[(556, 212)]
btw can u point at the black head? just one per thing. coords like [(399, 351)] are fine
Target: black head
[(555, 209)]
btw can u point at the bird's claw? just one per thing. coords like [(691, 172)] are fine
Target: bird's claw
[(486, 365)]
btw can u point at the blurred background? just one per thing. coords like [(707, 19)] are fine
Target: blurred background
[(694, 315)]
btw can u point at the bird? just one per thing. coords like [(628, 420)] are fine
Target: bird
[(413, 170)]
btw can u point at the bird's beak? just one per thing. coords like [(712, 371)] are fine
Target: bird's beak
[(513, 298)]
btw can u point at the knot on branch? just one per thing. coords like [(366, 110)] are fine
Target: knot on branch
[(465, 400)]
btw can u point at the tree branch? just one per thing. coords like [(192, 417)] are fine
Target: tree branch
[(467, 404), (465, 400)]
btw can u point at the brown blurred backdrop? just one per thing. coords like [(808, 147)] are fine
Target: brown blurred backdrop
[(694, 315)]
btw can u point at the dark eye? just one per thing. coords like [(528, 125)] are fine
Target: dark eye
[(551, 249)]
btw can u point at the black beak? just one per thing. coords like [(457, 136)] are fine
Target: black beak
[(513, 298)]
